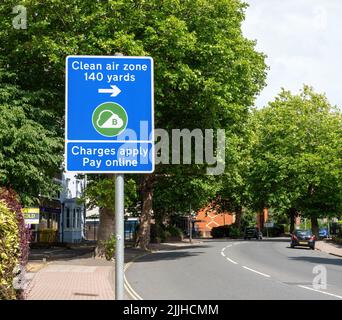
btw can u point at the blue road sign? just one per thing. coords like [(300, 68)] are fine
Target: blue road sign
[(109, 124)]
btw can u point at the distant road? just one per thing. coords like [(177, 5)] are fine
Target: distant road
[(233, 270)]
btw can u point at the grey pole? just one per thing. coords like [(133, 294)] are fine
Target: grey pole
[(119, 231)]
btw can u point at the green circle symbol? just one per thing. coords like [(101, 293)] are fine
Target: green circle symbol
[(109, 119)]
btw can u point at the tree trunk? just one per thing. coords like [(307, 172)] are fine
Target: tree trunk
[(106, 228), (107, 224), (314, 226), (143, 238), (238, 216), (293, 214)]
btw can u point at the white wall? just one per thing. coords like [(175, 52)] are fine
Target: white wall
[(72, 230)]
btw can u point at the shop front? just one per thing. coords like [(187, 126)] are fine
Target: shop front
[(43, 222)]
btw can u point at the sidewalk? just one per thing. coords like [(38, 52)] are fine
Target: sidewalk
[(329, 247), (79, 278)]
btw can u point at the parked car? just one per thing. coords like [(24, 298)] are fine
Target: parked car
[(252, 233), (303, 238), (323, 233)]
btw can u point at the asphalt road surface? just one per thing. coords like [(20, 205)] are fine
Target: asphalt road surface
[(236, 270)]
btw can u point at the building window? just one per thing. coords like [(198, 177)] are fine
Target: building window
[(67, 188), (67, 218), (74, 219), (78, 218), (78, 191)]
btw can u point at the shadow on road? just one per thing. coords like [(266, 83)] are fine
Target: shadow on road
[(228, 240), (276, 240), (56, 253), (170, 255), (300, 248), (319, 260), (171, 247)]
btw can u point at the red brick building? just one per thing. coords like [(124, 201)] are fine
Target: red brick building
[(262, 218), (208, 218)]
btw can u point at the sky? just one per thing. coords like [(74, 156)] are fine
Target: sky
[(303, 42)]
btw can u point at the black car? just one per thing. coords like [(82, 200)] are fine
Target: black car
[(253, 233), (303, 238)]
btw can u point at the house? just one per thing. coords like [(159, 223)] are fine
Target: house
[(60, 217), (72, 219), (208, 218)]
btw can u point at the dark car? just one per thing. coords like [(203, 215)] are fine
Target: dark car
[(303, 238), (253, 233)]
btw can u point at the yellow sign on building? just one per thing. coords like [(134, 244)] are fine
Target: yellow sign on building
[(31, 215)]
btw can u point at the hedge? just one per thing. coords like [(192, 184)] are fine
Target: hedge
[(9, 251)]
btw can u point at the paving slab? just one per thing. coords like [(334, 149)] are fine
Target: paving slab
[(77, 278), (329, 247)]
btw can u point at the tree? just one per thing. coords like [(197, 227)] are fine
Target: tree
[(100, 193), (297, 156), (207, 73), (235, 191), (30, 154)]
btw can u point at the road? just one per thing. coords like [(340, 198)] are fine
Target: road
[(234, 270)]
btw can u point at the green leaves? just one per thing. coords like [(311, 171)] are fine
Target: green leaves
[(297, 154), (30, 154), (9, 251), (207, 75)]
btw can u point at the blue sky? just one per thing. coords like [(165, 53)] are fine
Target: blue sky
[(303, 42)]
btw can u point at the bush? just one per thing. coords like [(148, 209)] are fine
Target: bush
[(9, 251), (234, 232), (173, 233), (11, 200), (276, 231), (337, 240), (157, 233), (109, 247), (231, 231), (165, 235), (220, 232)]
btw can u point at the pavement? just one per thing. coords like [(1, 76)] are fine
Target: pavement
[(60, 253), (71, 276), (237, 270), (329, 247)]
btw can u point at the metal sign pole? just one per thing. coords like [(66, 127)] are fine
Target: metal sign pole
[(87, 97), (119, 231)]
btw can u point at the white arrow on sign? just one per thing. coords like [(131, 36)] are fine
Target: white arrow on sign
[(114, 91)]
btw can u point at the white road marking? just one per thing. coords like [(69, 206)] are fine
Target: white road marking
[(327, 293), (262, 274), (232, 261), (222, 253)]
